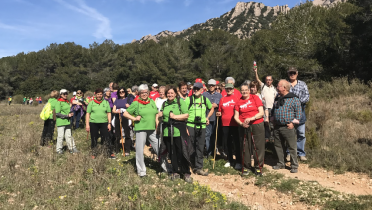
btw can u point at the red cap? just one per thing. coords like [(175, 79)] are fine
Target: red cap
[(217, 82), (198, 80)]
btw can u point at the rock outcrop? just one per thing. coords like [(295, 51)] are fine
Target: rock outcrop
[(243, 20), (327, 3)]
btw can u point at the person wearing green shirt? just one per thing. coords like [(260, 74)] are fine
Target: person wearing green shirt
[(98, 123), (174, 110), (196, 124), (47, 134), (63, 115), (144, 114), (24, 100)]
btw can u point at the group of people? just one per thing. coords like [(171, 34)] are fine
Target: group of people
[(29, 100), (183, 123)]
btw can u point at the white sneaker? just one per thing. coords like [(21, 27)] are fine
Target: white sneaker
[(227, 164), (238, 166)]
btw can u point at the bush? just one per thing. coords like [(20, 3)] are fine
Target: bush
[(88, 94), (18, 99), (363, 116)]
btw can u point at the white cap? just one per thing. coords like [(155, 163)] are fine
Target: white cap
[(155, 85), (212, 82), (74, 93), (63, 91)]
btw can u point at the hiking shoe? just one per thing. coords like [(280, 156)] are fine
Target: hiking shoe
[(201, 172), (238, 166), (60, 152), (74, 151), (188, 178), (258, 172), (112, 157), (303, 158), (175, 176), (227, 165), (277, 167), (245, 172), (294, 170), (288, 158)]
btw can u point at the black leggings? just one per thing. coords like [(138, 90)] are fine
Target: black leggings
[(48, 131), (179, 162), (231, 139), (128, 141), (100, 130)]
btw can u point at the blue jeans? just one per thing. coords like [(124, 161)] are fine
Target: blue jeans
[(210, 135), (76, 117), (301, 139)]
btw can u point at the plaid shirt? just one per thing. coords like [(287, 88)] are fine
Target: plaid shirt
[(285, 114), (300, 89)]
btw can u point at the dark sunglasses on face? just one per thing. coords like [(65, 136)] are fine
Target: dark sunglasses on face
[(65, 94), (196, 88), (121, 91), (292, 73)]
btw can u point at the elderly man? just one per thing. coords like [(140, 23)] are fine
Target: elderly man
[(286, 113), (299, 88), (235, 93), (268, 93), (214, 98)]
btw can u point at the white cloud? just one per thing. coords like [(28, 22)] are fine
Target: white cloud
[(104, 28)]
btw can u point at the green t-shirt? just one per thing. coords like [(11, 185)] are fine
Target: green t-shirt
[(63, 108), (147, 112), (173, 106), (198, 109), (98, 112), (53, 103)]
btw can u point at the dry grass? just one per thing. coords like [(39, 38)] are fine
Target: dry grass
[(338, 126), (34, 177)]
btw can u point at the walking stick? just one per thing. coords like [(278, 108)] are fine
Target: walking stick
[(245, 137), (171, 127), (160, 135), (121, 135), (215, 145), (88, 135), (254, 145)]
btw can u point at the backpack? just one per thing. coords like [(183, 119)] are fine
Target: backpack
[(46, 112), (178, 102), (204, 101)]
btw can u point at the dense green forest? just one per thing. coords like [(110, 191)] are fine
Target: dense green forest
[(323, 43)]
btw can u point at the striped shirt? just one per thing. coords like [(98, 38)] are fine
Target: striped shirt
[(300, 89), (285, 114)]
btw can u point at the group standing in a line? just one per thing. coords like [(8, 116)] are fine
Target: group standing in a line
[(183, 123)]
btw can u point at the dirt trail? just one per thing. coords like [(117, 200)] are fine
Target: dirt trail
[(244, 190)]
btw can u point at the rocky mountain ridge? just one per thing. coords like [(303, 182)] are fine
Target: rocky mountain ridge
[(243, 20)]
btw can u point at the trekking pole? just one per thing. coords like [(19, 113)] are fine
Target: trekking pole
[(254, 145), (121, 134), (215, 145), (245, 137), (171, 127), (160, 135)]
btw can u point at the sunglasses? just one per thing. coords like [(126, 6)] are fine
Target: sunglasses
[(78, 93), (121, 91), (65, 94), (196, 88), (292, 73)]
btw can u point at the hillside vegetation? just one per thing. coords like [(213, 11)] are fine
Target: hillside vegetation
[(321, 42)]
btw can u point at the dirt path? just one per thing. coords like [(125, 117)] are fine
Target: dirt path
[(244, 190)]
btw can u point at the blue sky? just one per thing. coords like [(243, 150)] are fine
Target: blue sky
[(31, 25)]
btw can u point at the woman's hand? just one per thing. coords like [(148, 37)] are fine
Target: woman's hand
[(70, 114), (109, 127), (171, 115), (87, 128), (138, 118), (245, 125), (218, 114), (207, 123), (247, 121), (127, 105), (160, 114)]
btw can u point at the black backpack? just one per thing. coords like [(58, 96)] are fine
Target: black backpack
[(178, 102), (204, 101)]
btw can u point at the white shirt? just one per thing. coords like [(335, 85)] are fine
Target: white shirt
[(159, 103)]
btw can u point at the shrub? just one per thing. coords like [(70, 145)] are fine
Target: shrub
[(18, 99), (363, 116), (88, 94)]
